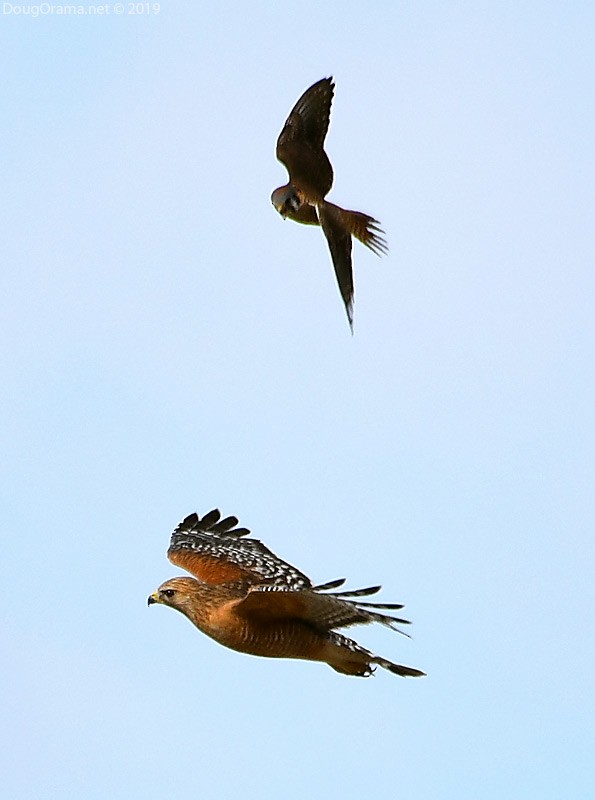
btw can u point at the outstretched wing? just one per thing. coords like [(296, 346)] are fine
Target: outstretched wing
[(214, 550), (300, 143), (325, 612), (309, 119)]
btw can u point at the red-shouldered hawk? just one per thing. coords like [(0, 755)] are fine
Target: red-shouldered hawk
[(248, 599), (300, 147)]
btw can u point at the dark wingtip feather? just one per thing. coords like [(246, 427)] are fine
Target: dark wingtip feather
[(225, 525), (359, 592), (211, 522), (210, 519), (188, 523), (329, 585)]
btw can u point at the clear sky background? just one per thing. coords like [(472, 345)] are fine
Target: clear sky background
[(169, 344)]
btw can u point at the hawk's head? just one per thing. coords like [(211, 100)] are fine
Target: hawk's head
[(286, 199), (177, 593)]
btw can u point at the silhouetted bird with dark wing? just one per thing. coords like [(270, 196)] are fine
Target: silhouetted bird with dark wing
[(300, 147)]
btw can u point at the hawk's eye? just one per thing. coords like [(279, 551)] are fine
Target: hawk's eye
[(168, 592)]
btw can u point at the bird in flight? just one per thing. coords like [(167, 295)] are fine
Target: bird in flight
[(300, 147), (246, 598)]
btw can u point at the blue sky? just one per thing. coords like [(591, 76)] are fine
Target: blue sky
[(169, 344)]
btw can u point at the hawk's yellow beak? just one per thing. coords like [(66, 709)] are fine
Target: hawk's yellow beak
[(153, 598)]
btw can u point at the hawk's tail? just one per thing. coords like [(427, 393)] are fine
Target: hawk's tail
[(350, 658), (399, 669), (365, 228)]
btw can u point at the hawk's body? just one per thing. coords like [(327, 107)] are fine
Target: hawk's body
[(300, 147), (248, 599)]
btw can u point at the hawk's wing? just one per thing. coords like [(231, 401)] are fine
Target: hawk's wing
[(309, 118), (300, 143), (214, 551), (325, 612), (338, 237)]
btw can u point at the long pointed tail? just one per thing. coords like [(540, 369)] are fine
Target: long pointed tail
[(398, 669), (349, 658)]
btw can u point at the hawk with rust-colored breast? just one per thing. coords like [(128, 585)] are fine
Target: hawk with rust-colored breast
[(300, 147), (248, 599)]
